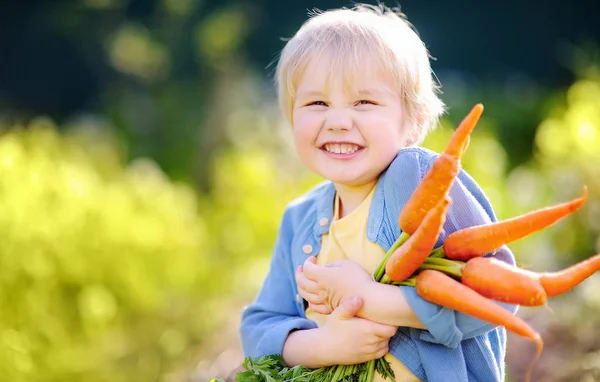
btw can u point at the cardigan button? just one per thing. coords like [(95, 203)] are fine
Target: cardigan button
[(298, 298), (323, 222), (307, 248)]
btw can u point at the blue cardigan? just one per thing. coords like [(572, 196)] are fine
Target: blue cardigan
[(455, 347)]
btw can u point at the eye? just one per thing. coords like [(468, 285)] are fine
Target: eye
[(366, 102), (316, 103)]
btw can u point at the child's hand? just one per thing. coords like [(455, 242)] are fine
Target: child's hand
[(348, 340), (325, 287)]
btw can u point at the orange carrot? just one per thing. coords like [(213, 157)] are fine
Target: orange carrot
[(436, 183), (431, 190), (460, 138), (438, 288), (500, 281), (408, 257), (478, 240), (559, 282)]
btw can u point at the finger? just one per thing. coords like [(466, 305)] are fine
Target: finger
[(384, 331), (376, 350), (310, 297), (320, 308), (382, 350), (306, 284), (348, 308), (312, 270)]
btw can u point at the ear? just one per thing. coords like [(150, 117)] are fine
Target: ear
[(412, 136), (415, 128)]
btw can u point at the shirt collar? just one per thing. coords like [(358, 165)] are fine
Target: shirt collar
[(325, 202)]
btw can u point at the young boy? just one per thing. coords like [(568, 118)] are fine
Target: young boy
[(357, 88)]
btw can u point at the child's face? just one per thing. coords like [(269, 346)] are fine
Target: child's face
[(348, 136)]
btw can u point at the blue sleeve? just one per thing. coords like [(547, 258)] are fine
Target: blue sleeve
[(267, 322), (445, 326)]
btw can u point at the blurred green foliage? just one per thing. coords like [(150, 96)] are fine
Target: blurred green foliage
[(113, 272), (99, 262)]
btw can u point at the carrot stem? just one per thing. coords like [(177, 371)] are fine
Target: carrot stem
[(385, 279), (409, 257), (450, 267), (408, 282), (380, 271), (453, 268), (370, 370), (447, 270), (445, 262), (438, 252)]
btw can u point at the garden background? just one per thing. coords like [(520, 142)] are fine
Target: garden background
[(144, 169)]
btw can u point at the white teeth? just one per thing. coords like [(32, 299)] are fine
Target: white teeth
[(341, 148)]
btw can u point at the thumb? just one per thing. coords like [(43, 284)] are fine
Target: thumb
[(348, 308)]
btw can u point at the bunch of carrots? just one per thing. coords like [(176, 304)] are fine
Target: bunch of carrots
[(462, 274)]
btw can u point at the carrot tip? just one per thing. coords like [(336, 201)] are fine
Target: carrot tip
[(577, 203), (460, 139), (539, 349), (548, 307)]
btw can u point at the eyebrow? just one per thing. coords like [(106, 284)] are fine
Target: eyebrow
[(372, 91), (360, 92), (310, 93)]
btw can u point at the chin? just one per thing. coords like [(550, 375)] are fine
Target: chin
[(356, 177), (350, 181)]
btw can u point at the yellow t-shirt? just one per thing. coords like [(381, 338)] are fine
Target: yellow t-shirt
[(347, 239)]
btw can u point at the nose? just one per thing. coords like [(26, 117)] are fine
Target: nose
[(338, 120)]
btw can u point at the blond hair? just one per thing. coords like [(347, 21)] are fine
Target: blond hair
[(345, 37)]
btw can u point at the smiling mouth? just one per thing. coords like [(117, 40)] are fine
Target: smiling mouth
[(341, 148)]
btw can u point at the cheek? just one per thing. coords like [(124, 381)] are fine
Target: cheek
[(303, 142), (392, 131), (304, 145), (384, 133), (305, 128)]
